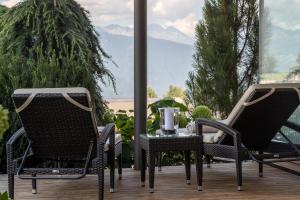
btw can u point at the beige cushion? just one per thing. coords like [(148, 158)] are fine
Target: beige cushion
[(118, 138), (210, 134), (191, 127), (52, 90), (207, 137)]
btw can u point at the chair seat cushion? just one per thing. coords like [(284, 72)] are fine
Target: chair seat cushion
[(118, 138), (210, 138), (210, 134)]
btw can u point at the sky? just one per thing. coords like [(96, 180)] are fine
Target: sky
[(284, 13), (181, 14)]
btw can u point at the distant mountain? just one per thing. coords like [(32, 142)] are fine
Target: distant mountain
[(154, 30), (116, 29), (168, 62), (170, 58)]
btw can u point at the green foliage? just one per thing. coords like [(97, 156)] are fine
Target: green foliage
[(4, 196), (175, 91), (108, 116), (43, 44), (3, 121), (183, 120), (151, 93), (202, 112), (3, 10), (125, 125), (226, 54), (164, 103)]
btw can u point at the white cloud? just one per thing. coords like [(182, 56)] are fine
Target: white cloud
[(174, 9), (186, 24), (159, 8), (181, 14), (10, 3)]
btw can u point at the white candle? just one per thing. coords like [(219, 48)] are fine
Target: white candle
[(169, 119)]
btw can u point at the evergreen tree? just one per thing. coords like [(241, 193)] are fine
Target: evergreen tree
[(50, 43), (226, 54)]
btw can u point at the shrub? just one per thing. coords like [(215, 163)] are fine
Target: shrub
[(183, 120), (125, 125), (3, 121), (4, 196), (202, 112)]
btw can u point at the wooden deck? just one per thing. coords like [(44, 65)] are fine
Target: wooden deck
[(219, 183)]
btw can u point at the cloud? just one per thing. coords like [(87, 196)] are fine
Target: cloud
[(174, 9), (186, 24), (284, 13), (10, 3), (181, 14), (159, 8), (104, 12)]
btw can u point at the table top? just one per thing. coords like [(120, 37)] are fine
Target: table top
[(180, 133), (181, 141)]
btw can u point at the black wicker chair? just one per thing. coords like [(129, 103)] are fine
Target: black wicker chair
[(249, 130), (59, 127)]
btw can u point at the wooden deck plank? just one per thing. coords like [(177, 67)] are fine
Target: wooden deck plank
[(219, 183)]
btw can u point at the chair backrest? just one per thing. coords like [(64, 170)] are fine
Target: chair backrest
[(59, 122), (261, 112)]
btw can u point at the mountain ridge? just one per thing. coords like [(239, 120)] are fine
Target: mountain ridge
[(168, 63)]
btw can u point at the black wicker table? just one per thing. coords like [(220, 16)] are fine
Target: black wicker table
[(153, 144)]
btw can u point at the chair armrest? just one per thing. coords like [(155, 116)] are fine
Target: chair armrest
[(15, 137), (292, 125), (107, 132), (215, 124), (220, 126), (10, 149)]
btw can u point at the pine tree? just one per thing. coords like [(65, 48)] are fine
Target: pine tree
[(50, 43), (226, 54)]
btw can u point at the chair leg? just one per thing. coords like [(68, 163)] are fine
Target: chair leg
[(199, 169), (159, 161), (101, 183), (120, 166), (151, 171), (112, 172), (239, 174), (208, 159), (34, 190), (187, 162), (260, 169), (260, 166), (11, 182)]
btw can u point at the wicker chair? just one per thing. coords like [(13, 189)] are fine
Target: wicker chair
[(249, 130), (59, 127)]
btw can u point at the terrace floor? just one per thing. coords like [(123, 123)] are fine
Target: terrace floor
[(219, 183)]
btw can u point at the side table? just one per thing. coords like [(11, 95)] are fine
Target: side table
[(153, 144)]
